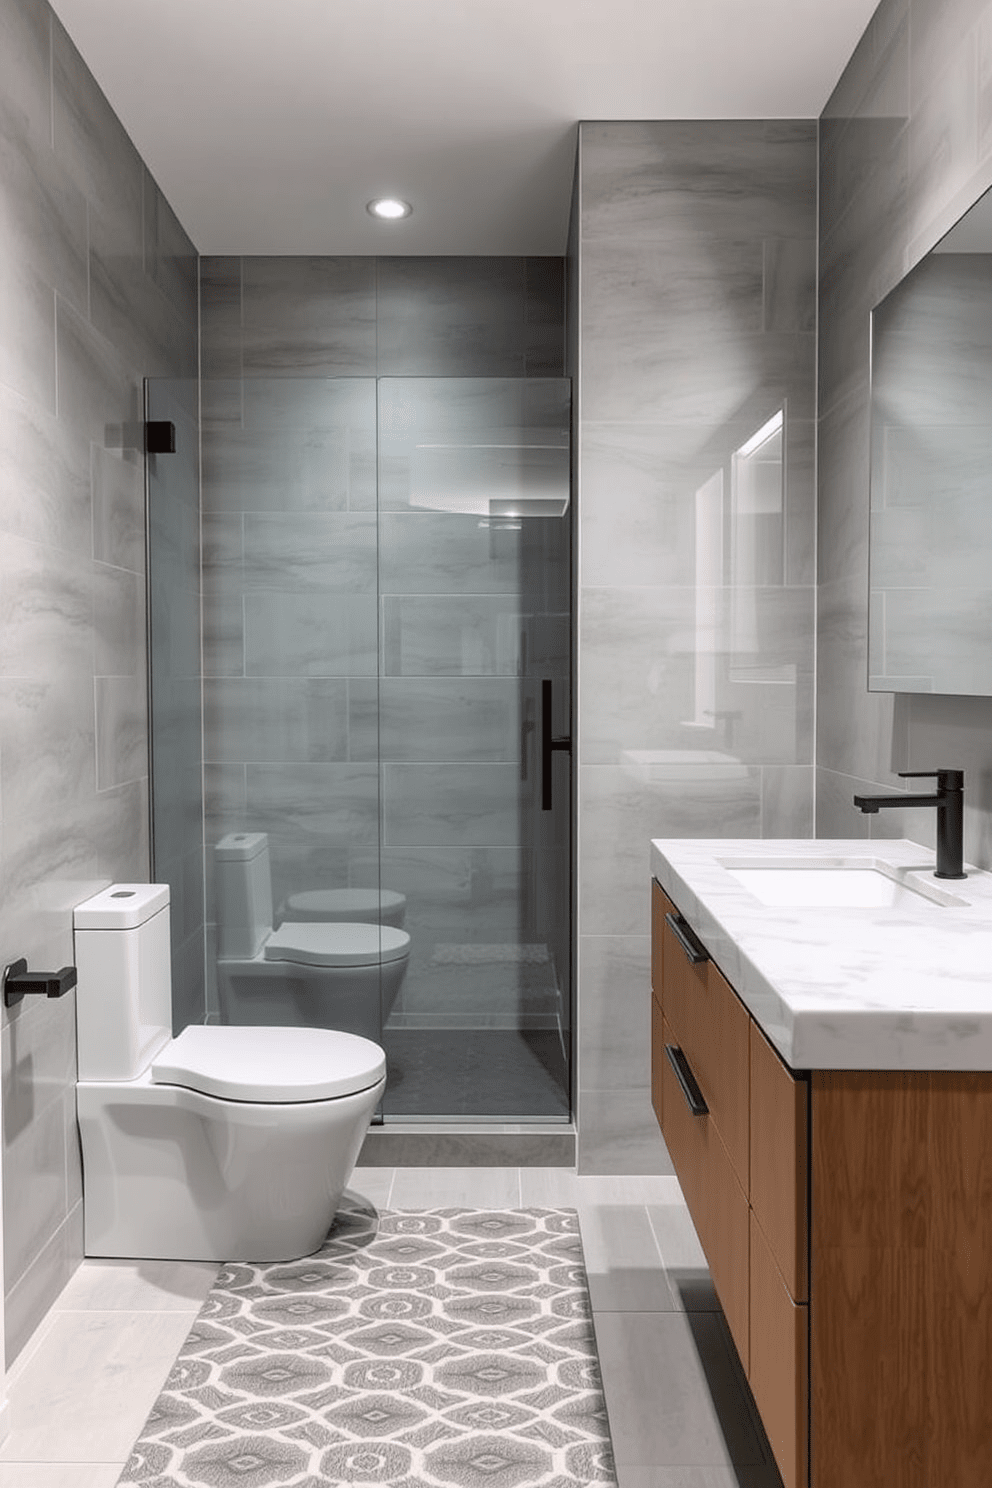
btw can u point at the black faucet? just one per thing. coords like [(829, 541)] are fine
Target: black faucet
[(949, 801)]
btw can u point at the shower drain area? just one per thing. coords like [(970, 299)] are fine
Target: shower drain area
[(515, 1072)]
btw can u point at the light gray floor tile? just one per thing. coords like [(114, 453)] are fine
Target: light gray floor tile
[(684, 1261), (622, 1260), (673, 1392), (137, 1286), (440, 1188), (86, 1390), (698, 1477), (60, 1474), (373, 1184)]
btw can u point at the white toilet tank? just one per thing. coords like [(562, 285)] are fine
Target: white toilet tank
[(124, 991), (243, 880)]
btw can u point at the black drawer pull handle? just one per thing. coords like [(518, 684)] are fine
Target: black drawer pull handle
[(694, 949), (685, 1077)]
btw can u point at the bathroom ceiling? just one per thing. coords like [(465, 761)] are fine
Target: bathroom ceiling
[(269, 125)]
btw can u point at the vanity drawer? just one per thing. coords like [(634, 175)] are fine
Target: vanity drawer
[(716, 1201), (778, 1367), (710, 1023), (779, 1161), (660, 906), (657, 1058)]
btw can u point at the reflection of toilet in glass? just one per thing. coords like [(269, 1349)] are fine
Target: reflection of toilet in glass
[(220, 1144), (368, 906), (313, 974)]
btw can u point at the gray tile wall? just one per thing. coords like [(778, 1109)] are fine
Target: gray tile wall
[(97, 290), (696, 318), (297, 714), (905, 149)]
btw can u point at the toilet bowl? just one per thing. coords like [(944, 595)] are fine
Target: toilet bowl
[(222, 1143), (315, 974)]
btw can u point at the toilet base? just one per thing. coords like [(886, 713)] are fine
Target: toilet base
[(173, 1174)]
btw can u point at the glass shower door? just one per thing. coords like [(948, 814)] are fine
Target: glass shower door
[(474, 593)]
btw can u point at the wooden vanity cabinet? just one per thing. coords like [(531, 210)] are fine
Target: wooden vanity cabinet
[(851, 1252)]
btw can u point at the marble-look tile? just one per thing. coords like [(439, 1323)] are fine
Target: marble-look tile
[(683, 1259), (738, 1476), (618, 1131), (39, 1060), (943, 133), (118, 508), (34, 1180), (427, 718), (842, 498), (372, 1184), (619, 814), (440, 553), (92, 143), (275, 718), (25, 73), (44, 470), (314, 804), (220, 332), (325, 553), (27, 335), (836, 814), (119, 827), (640, 179), (121, 730), (45, 219), (298, 635), (455, 636), (614, 1027), (789, 275), (45, 612), (170, 258), (858, 80), (450, 805), (434, 1188), (787, 800), (854, 727), (623, 1266), (98, 397), (47, 743), (315, 316), (696, 1412), (560, 1186), (27, 1303), (118, 622), (101, 1373)]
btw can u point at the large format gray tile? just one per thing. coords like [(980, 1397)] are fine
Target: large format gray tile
[(47, 743), (45, 472), (25, 73), (27, 1303), (309, 315), (121, 730), (622, 1263), (258, 719), (451, 805), (27, 335), (441, 553), (297, 635), (46, 623), (696, 1411), (35, 1194), (614, 1029), (427, 718), (618, 1132), (451, 635)]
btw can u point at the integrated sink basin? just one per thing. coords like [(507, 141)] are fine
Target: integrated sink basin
[(836, 886)]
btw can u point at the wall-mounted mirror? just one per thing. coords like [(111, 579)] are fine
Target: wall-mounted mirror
[(930, 552)]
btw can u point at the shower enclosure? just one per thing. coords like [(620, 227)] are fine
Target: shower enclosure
[(386, 580)]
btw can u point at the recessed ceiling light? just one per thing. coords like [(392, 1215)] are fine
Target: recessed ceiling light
[(389, 208)]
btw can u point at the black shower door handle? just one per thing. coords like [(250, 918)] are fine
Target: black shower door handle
[(548, 743)]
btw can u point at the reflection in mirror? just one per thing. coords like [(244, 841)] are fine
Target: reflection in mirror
[(930, 545)]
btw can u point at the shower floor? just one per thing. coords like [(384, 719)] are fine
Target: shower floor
[(454, 1072)]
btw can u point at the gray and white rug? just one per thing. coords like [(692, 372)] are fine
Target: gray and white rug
[(446, 1348)]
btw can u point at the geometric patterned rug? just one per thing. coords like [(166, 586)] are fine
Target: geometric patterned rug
[(444, 1348)]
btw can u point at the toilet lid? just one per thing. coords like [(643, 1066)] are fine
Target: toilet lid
[(343, 944), (269, 1065), (345, 902)]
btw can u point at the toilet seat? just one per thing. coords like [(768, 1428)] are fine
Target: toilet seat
[(329, 905), (340, 944), (276, 1066)]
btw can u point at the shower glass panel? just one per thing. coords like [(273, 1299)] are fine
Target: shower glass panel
[(291, 703), (474, 592), (172, 494)]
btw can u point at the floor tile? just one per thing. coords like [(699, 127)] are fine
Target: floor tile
[(622, 1260), (60, 1474), (85, 1392), (698, 1477), (137, 1286), (672, 1391), (373, 1184), (438, 1188), (684, 1261)]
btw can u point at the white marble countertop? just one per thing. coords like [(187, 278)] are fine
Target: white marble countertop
[(907, 988)]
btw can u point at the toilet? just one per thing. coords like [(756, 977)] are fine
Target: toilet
[(316, 974), (328, 906), (220, 1144)]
